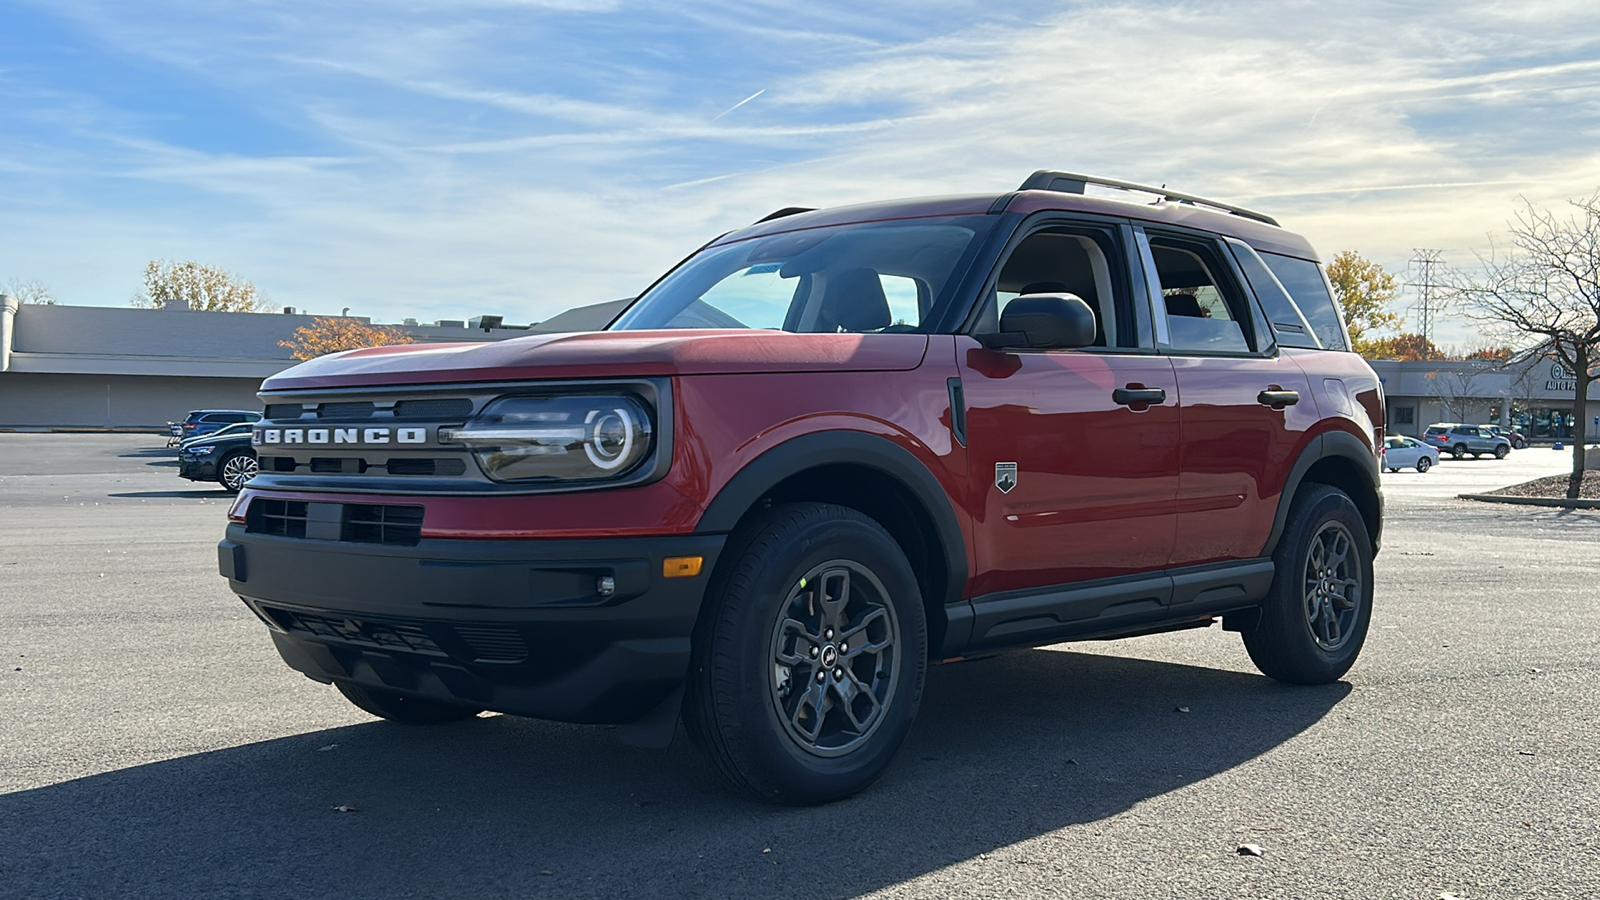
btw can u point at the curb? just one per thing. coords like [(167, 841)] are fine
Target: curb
[(1534, 501)]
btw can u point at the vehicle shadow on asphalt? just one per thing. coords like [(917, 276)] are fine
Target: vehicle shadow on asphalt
[(214, 493), (148, 452), (1005, 749)]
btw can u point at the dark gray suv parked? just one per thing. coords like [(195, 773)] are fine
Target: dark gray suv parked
[(1459, 440)]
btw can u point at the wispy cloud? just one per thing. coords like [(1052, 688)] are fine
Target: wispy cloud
[(428, 158)]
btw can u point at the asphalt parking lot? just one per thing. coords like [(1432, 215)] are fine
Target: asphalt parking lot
[(153, 745)]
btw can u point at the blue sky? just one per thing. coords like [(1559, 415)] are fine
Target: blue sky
[(443, 159)]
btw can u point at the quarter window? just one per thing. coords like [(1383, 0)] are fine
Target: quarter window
[(1303, 279)]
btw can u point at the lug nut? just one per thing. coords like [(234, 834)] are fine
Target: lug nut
[(828, 634), (844, 648), (821, 677), (813, 653), (838, 674)]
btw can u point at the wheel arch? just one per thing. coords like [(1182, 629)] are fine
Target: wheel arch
[(1338, 459), (874, 476)]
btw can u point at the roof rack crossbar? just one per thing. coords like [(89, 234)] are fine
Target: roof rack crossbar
[(1072, 183)]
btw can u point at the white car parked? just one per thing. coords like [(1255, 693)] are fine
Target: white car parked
[(1403, 452)]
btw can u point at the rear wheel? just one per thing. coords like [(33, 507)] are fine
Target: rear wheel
[(1315, 618), (809, 663), (1424, 464), (398, 707), (236, 469), (1459, 451)]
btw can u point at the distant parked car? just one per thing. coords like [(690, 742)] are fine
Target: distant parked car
[(228, 459), (1460, 440), (206, 421), (235, 428), (1404, 453), (1519, 441)]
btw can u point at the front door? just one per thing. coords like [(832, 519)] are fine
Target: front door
[(1074, 453)]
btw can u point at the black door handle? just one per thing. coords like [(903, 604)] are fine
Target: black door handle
[(1277, 398), (1129, 395)]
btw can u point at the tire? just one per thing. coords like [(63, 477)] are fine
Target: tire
[(235, 469), (1459, 451), (1315, 640), (397, 707), (1501, 451), (1392, 471), (765, 635), (1423, 464)]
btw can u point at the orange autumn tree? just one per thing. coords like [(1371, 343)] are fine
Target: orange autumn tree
[(331, 334)]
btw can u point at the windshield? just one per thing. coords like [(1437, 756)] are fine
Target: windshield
[(879, 277)]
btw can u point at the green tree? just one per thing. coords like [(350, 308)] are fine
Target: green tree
[(205, 288), (1364, 291)]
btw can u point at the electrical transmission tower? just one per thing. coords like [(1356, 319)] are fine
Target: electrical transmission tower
[(1422, 267)]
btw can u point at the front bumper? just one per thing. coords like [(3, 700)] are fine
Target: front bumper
[(515, 626), (199, 468)]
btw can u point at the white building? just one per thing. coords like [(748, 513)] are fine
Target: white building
[(1534, 396)]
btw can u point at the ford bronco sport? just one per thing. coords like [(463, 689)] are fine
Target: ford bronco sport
[(820, 454)]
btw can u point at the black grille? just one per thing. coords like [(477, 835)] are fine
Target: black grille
[(284, 410), (359, 523), (284, 518), (414, 466), (352, 410), (337, 465), (370, 523), (493, 644), (457, 408), (387, 635)]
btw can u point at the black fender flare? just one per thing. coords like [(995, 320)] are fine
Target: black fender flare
[(1328, 444), (824, 448)]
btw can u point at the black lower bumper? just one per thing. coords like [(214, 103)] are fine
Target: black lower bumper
[(576, 631)]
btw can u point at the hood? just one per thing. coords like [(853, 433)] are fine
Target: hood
[(206, 440), (607, 354)]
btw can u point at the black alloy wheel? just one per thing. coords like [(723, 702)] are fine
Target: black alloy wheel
[(1314, 620), (403, 708), (810, 657), (235, 469)]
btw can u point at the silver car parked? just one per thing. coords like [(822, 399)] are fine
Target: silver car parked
[(1459, 440), (1404, 453)]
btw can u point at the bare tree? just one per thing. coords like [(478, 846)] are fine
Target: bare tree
[(28, 291), (1545, 293), (1453, 391)]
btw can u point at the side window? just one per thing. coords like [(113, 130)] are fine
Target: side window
[(1303, 279), (1205, 310), (1068, 260), (1288, 325)]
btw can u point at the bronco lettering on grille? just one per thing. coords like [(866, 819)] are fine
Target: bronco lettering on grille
[(322, 437)]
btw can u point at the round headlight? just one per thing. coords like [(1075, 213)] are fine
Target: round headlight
[(563, 438)]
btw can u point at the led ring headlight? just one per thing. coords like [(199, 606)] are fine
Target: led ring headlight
[(602, 434), (569, 437)]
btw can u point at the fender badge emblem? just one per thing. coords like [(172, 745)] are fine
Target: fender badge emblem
[(1005, 476)]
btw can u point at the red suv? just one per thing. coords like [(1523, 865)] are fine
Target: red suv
[(820, 454)]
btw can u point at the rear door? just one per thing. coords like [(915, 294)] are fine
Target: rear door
[(1247, 405), (1074, 453)]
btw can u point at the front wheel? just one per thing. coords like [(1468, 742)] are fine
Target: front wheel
[(398, 707), (237, 469), (1315, 617), (809, 662), (1424, 464), (1501, 451)]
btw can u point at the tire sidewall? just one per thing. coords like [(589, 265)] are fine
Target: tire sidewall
[(781, 769), (1284, 619)]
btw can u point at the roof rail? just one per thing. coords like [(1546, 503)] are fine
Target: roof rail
[(1070, 183), (778, 214)]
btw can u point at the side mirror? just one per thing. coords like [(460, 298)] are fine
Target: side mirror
[(1044, 322)]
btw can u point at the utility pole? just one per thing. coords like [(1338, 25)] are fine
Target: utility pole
[(1422, 266)]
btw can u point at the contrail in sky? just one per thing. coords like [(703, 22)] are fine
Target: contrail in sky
[(739, 104)]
